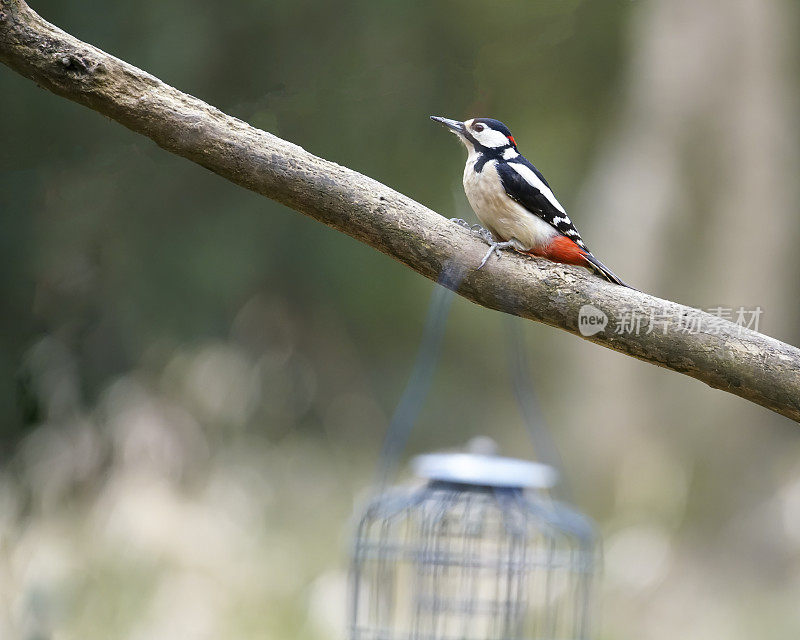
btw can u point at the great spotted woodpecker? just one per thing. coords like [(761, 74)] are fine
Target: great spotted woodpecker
[(513, 200)]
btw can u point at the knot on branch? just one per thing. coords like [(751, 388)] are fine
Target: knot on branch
[(76, 63)]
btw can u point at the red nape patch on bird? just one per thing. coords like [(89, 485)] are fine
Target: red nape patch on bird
[(514, 142)]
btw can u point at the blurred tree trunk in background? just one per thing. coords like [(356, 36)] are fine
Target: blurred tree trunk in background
[(700, 178)]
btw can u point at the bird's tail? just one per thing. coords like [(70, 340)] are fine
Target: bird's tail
[(594, 265), (565, 250)]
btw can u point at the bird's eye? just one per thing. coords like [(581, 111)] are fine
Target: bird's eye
[(478, 127)]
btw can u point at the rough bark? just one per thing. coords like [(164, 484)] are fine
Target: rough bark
[(715, 351)]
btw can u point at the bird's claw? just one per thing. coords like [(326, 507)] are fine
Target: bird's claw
[(481, 232), (494, 246), (475, 228), (461, 222), (485, 235)]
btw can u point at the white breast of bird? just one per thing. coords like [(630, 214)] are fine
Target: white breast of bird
[(501, 215)]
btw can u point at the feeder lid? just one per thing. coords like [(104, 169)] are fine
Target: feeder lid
[(484, 470)]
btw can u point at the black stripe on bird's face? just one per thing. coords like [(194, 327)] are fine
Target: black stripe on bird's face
[(491, 139), (488, 133)]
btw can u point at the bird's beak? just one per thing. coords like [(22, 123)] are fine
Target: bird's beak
[(453, 125)]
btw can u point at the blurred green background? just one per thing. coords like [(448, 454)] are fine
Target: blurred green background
[(195, 381)]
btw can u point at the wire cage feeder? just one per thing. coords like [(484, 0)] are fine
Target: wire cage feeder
[(480, 550)]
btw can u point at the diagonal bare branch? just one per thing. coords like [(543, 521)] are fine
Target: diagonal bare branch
[(721, 354)]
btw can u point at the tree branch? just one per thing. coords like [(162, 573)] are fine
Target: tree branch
[(719, 353)]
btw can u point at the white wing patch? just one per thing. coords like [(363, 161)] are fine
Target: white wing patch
[(532, 179)]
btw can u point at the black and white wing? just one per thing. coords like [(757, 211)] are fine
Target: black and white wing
[(524, 184)]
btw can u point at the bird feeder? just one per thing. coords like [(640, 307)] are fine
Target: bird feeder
[(477, 550)]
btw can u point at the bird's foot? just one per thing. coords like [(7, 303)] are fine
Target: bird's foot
[(494, 246), (476, 228), (482, 233), (485, 235)]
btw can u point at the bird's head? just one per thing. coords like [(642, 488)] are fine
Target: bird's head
[(480, 134)]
